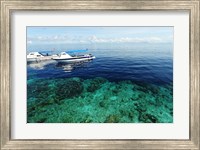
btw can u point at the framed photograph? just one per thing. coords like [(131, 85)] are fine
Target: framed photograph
[(100, 74)]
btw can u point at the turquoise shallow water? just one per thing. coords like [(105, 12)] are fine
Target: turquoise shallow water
[(98, 100)]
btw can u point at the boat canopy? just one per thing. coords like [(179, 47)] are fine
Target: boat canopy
[(35, 53), (50, 52), (64, 54)]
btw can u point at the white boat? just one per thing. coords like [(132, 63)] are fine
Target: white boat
[(66, 58), (34, 57), (38, 57)]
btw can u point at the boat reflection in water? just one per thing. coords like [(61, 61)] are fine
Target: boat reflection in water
[(65, 66), (69, 67), (40, 65)]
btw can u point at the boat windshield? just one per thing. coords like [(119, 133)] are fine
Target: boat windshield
[(65, 55)]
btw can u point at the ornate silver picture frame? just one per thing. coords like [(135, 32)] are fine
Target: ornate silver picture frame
[(8, 6)]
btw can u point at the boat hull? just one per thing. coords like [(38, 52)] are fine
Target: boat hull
[(30, 60), (39, 59), (73, 60)]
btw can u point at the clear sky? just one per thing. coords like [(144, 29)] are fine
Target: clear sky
[(87, 35)]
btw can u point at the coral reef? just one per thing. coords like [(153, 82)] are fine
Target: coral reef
[(97, 100), (68, 88)]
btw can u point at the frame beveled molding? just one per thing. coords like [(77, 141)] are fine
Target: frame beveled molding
[(9, 6)]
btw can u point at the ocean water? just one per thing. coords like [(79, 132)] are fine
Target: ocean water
[(124, 84)]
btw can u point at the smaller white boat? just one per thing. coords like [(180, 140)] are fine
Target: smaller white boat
[(34, 57), (66, 58)]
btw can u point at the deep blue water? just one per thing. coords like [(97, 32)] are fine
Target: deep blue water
[(141, 63)]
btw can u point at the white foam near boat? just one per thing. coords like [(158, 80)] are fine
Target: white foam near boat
[(65, 57)]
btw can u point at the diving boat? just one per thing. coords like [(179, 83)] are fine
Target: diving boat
[(67, 58), (34, 57)]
